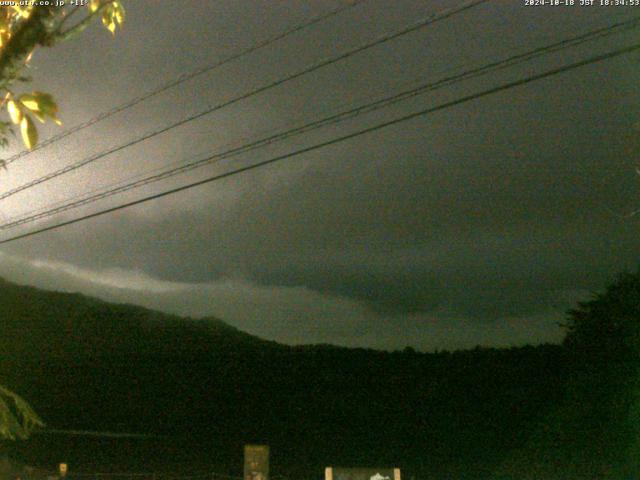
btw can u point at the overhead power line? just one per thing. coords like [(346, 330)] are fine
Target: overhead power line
[(92, 433), (186, 77), (330, 120), (317, 146), (151, 476), (441, 15)]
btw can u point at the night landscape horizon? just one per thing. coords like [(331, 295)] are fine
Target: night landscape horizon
[(398, 236)]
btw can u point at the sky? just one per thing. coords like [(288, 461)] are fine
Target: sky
[(477, 225)]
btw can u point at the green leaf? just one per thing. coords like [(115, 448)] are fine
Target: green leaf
[(14, 112), (29, 132), (17, 418), (118, 12), (41, 105), (108, 22), (113, 16)]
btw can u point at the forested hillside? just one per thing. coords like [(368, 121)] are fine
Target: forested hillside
[(202, 389)]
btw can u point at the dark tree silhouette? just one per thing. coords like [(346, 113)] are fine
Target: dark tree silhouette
[(608, 326), (594, 431)]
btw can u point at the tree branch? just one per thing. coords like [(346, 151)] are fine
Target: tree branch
[(82, 24), (36, 30)]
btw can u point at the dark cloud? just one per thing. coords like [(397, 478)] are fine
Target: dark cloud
[(489, 212)]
